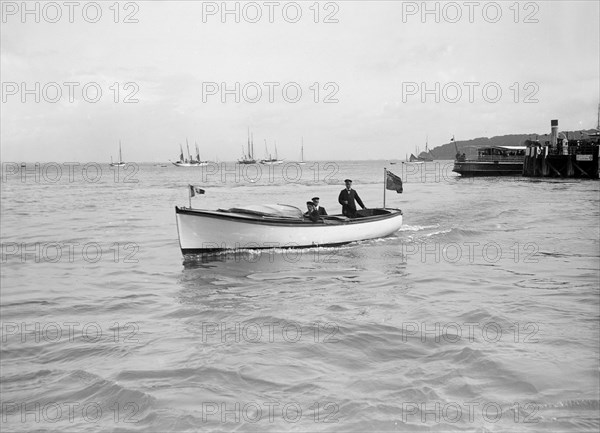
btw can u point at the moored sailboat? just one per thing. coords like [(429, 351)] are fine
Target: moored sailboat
[(414, 159), (184, 162), (189, 161), (301, 162), (426, 155), (120, 163), (270, 160), (249, 157), (198, 161)]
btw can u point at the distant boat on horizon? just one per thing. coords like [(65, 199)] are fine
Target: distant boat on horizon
[(198, 161), (426, 155), (423, 156), (249, 157), (270, 160), (189, 161), (302, 162), (415, 160), (120, 163)]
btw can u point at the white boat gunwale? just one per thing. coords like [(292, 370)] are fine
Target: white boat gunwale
[(287, 221)]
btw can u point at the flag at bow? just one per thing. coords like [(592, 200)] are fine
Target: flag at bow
[(195, 190), (393, 182)]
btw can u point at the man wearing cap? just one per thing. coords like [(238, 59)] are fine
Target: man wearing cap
[(319, 209), (346, 199), (312, 213)]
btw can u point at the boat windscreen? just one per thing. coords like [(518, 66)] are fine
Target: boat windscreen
[(272, 210)]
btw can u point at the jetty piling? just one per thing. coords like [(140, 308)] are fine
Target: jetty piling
[(563, 157)]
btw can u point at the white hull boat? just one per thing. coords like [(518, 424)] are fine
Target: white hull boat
[(120, 163), (302, 162), (248, 158), (189, 161), (271, 161), (277, 226), (190, 164)]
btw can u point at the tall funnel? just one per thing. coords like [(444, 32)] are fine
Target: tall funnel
[(553, 133)]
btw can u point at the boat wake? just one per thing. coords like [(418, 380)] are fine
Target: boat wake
[(409, 228)]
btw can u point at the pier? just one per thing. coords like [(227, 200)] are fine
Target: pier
[(563, 157)]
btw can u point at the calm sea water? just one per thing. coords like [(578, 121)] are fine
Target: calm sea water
[(480, 314)]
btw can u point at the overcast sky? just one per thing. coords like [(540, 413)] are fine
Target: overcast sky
[(372, 65)]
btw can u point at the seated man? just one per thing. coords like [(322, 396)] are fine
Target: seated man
[(312, 213), (320, 210)]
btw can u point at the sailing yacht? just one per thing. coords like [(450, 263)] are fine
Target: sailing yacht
[(181, 160), (302, 153), (199, 162), (189, 161), (426, 156), (270, 160), (120, 163), (415, 159), (423, 156), (249, 157)]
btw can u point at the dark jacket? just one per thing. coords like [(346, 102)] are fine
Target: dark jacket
[(349, 209), (313, 216), (322, 211)]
